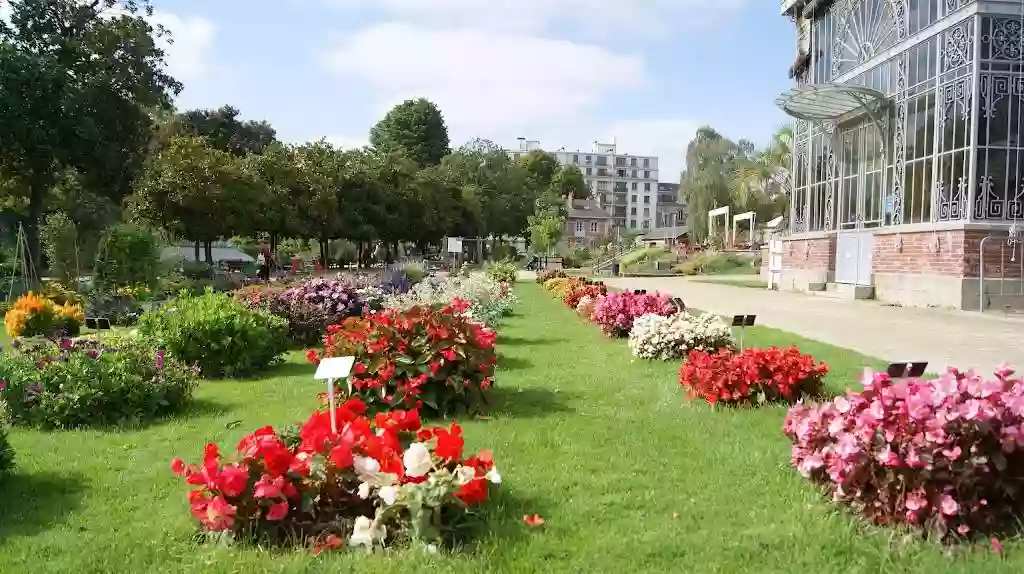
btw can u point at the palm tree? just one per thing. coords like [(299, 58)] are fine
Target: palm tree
[(765, 173)]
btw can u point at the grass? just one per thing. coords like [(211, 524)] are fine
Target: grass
[(630, 476)]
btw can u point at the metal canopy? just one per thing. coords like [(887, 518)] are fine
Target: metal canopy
[(831, 102)]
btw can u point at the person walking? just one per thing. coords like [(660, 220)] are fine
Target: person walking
[(265, 260)]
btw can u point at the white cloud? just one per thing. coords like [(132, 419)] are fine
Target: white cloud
[(188, 54), (485, 83), (557, 15)]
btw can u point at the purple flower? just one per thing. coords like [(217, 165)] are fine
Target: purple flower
[(3, 385), (66, 343), (92, 354), (160, 360)]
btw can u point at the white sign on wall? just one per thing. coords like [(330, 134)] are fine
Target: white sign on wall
[(454, 245)]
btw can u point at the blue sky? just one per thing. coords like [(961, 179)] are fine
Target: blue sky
[(566, 72)]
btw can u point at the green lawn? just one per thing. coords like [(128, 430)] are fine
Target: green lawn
[(742, 281), (629, 476)]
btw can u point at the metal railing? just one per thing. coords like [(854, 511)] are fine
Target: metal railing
[(608, 261), (1009, 241)]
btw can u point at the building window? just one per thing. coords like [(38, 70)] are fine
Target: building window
[(632, 199), (647, 187), (602, 160), (647, 199), (590, 171), (647, 224), (633, 175), (647, 175), (632, 162), (588, 159), (622, 173), (593, 227), (632, 211), (602, 185), (579, 227), (515, 156), (620, 162), (576, 159), (634, 186), (647, 163), (647, 212), (632, 224)]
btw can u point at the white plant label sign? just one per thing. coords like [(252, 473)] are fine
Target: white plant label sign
[(331, 369)]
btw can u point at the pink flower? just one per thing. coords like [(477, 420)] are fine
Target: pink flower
[(916, 501), (278, 511), (948, 506)]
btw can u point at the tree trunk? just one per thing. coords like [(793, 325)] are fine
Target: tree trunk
[(273, 243), (32, 241), (208, 251), (323, 252), (195, 248)]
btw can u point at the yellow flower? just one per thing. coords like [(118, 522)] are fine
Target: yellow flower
[(14, 322)]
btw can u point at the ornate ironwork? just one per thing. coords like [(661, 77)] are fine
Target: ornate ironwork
[(902, 16), (956, 49), (989, 205), (899, 141), (866, 27), (995, 87), (952, 95), (1003, 39), (951, 203), (830, 183)]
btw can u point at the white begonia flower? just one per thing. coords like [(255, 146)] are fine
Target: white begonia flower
[(364, 490), (365, 466), (493, 476), (364, 533), (464, 474), (417, 460), (389, 494)]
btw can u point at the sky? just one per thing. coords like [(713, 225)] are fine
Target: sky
[(644, 73)]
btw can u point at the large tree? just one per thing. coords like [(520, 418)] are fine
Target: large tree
[(76, 82), (415, 127), (568, 183), (707, 180), (198, 192), (224, 131)]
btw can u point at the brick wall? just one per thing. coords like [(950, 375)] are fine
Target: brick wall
[(604, 229), (813, 254), (955, 255)]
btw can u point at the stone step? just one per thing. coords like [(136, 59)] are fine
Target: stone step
[(845, 291)]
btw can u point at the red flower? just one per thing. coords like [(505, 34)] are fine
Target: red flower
[(178, 467), (997, 546), (233, 481), (268, 487), (359, 369), (473, 492), (449, 443), (219, 515), (313, 357), (448, 354), (329, 542), (533, 520), (278, 511)]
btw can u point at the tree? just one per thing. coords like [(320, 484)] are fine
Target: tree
[(276, 210), (568, 183), (198, 192), (321, 169), (415, 127), (541, 168), (224, 131), (710, 166), (76, 81)]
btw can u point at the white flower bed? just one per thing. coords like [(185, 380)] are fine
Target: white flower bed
[(489, 302), (655, 337)]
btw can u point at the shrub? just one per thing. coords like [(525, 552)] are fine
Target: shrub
[(429, 354), (378, 481), (656, 337), (544, 276), (616, 311), (586, 306), (415, 272), (6, 450), (504, 271), (128, 255), (60, 244), (335, 298), (307, 321), (488, 300), (712, 262), (33, 315), (752, 376), (220, 335), (562, 286), (586, 289), (82, 382), (944, 455)]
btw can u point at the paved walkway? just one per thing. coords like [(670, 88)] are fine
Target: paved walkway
[(889, 333)]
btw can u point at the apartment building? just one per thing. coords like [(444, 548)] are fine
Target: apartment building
[(625, 185), (671, 207)]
